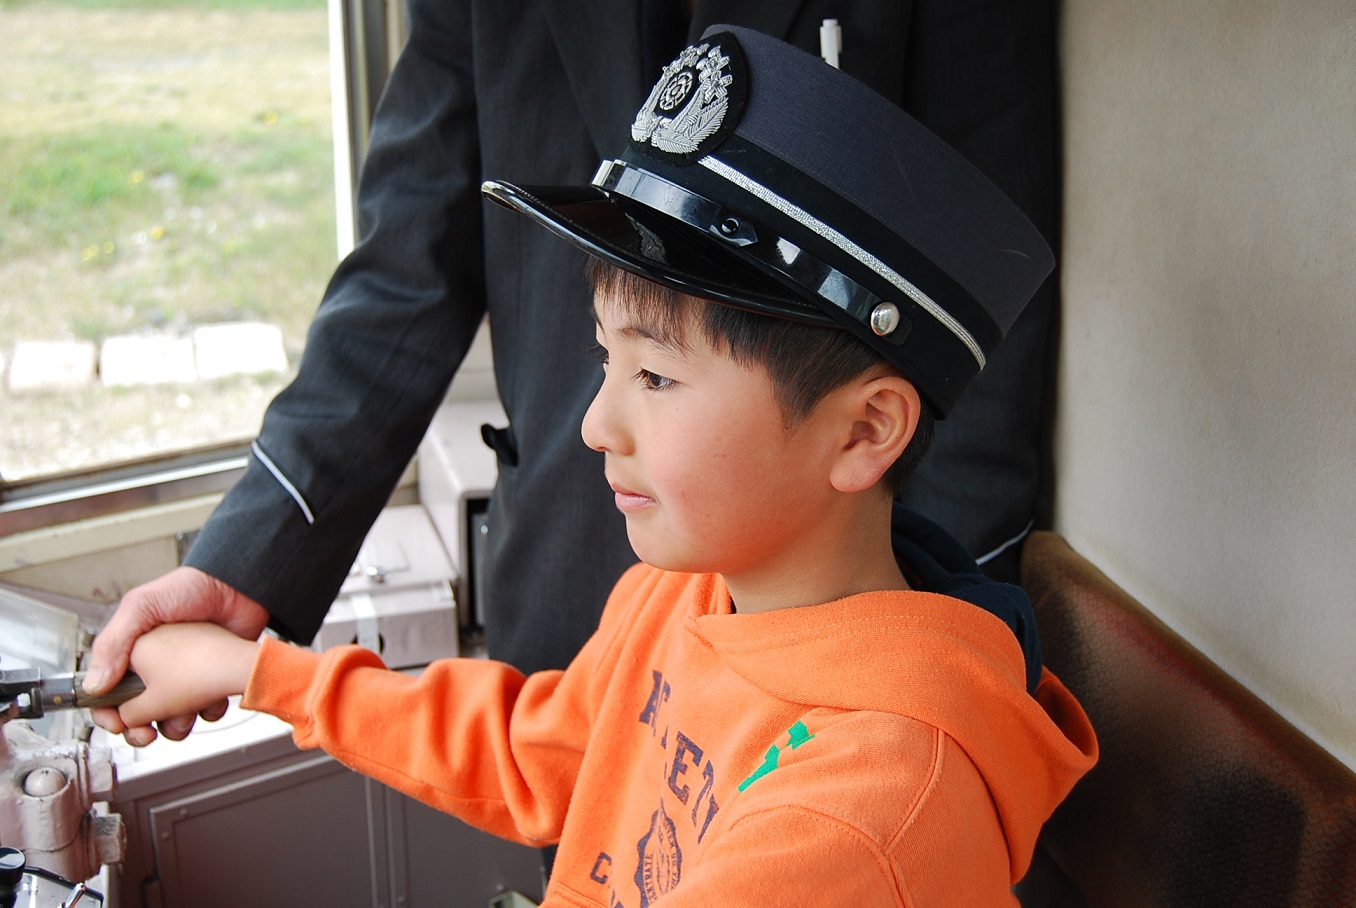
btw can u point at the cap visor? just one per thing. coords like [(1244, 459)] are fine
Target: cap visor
[(652, 245)]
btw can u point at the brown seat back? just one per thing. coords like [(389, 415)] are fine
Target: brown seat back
[(1203, 795)]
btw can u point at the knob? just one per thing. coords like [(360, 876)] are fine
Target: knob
[(12, 867)]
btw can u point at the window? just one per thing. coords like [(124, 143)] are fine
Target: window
[(167, 225)]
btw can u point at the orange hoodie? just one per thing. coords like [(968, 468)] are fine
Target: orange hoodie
[(877, 750)]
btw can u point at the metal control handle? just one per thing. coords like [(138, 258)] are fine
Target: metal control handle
[(68, 692), (26, 694)]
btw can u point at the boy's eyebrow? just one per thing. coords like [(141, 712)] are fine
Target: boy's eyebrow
[(634, 330)]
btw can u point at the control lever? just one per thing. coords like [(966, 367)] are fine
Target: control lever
[(26, 694)]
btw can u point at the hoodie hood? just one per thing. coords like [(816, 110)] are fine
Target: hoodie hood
[(960, 665), (933, 560)]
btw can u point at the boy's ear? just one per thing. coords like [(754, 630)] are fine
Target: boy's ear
[(883, 412)]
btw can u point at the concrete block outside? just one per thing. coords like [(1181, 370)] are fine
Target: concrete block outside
[(147, 360), (241, 348), (51, 365)]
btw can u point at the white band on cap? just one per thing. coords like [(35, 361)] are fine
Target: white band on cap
[(791, 210)]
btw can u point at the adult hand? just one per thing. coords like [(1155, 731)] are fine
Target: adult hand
[(184, 594)]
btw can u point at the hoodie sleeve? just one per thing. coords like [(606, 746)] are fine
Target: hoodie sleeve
[(867, 809), (946, 851), (792, 857), (474, 738)]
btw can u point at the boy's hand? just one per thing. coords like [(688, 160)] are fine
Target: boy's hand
[(187, 668), (184, 594)]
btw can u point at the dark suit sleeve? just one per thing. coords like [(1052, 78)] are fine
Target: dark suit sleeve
[(982, 75), (394, 324)]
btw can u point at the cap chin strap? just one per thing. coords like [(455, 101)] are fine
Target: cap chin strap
[(752, 241)]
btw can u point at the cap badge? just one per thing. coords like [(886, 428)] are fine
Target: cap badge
[(690, 102)]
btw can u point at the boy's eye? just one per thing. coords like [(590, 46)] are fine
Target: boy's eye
[(653, 381), (599, 353)]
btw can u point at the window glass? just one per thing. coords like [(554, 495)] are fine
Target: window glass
[(167, 221)]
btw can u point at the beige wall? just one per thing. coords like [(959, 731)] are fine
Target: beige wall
[(1206, 436)]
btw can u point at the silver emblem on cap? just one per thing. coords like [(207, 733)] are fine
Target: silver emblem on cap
[(885, 319), (688, 103)]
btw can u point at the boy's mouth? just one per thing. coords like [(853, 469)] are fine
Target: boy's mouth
[(628, 502)]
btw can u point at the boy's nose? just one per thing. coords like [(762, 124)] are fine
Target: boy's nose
[(600, 429)]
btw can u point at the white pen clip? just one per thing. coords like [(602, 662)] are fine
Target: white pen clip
[(830, 42)]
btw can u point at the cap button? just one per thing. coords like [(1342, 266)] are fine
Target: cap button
[(884, 319)]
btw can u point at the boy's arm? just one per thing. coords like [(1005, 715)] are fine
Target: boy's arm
[(470, 737), (952, 855), (187, 668)]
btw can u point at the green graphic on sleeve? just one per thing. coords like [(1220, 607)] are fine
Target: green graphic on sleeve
[(797, 735), (769, 763)]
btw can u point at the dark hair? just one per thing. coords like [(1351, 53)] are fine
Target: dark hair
[(805, 362)]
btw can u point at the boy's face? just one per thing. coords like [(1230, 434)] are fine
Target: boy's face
[(709, 477)]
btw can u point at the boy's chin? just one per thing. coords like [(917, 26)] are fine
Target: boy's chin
[(667, 557)]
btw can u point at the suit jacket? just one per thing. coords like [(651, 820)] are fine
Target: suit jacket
[(538, 92)]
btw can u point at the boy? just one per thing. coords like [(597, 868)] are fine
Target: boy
[(793, 280)]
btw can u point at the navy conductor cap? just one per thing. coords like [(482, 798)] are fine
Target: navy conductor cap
[(760, 177)]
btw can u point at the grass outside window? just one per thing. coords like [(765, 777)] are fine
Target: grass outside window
[(166, 165)]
